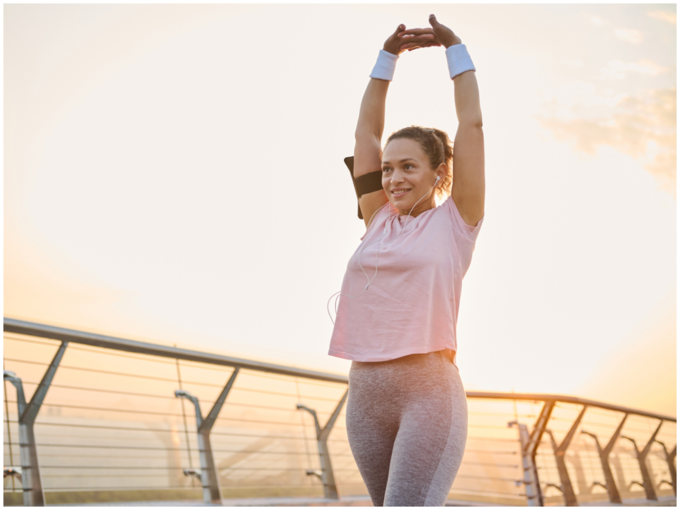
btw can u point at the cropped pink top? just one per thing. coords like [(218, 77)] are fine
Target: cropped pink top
[(411, 306)]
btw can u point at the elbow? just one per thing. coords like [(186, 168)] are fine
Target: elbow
[(474, 123)]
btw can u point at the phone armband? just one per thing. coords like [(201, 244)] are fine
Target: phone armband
[(367, 183)]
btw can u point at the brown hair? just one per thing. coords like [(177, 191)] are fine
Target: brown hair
[(437, 147)]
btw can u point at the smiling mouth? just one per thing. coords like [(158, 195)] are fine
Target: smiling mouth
[(400, 193)]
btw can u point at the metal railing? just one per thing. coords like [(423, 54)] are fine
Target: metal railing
[(115, 424)]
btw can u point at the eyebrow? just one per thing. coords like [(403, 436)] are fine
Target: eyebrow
[(402, 160)]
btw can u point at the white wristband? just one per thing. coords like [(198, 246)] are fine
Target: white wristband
[(459, 60), (384, 67)]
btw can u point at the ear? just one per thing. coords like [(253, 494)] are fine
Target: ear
[(441, 171)]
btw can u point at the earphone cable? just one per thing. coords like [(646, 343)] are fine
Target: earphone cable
[(370, 280)]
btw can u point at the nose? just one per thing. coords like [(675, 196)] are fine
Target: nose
[(396, 177)]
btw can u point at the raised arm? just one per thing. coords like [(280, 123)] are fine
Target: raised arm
[(369, 130), (468, 150), (368, 136), (468, 147)]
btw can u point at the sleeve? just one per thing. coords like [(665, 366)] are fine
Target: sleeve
[(460, 228)]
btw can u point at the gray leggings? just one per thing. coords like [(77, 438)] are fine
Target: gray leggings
[(407, 427)]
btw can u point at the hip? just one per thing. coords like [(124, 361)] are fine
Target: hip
[(427, 377)]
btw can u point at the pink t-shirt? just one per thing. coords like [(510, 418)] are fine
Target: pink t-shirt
[(412, 304)]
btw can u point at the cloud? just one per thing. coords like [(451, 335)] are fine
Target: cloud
[(664, 16), (629, 34), (642, 126), (598, 21), (616, 69)]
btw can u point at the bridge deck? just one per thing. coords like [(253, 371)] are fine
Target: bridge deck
[(349, 501)]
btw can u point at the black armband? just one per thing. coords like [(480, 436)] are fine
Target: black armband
[(365, 184)]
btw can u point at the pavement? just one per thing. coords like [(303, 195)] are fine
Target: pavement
[(345, 501)]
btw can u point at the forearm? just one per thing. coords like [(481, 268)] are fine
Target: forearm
[(468, 109), (372, 112)]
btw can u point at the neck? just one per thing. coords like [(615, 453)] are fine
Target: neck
[(420, 208)]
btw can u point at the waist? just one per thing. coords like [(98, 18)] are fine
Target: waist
[(447, 355), (425, 372)]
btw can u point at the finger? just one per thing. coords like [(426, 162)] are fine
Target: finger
[(424, 46), (407, 46), (418, 31), (400, 28), (433, 20), (412, 45), (423, 37)]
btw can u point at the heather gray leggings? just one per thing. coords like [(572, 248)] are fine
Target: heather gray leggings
[(407, 427)]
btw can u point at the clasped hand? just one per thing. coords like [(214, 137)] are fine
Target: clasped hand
[(412, 39)]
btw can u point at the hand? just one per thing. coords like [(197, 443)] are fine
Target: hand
[(415, 38), (402, 40), (444, 35)]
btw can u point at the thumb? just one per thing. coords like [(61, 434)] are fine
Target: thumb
[(433, 21), (400, 28)]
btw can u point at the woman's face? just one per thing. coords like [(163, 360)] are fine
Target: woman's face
[(407, 176)]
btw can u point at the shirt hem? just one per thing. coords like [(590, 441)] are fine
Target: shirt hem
[(387, 357)]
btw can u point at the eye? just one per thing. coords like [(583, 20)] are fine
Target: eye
[(386, 169), (408, 165)]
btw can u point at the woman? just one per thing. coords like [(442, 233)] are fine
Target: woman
[(396, 320)]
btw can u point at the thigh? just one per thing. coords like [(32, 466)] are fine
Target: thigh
[(372, 425), (429, 446)]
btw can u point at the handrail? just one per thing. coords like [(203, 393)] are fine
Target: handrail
[(569, 400), (122, 344)]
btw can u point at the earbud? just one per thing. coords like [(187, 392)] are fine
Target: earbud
[(438, 178)]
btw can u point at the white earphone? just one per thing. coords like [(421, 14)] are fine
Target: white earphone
[(376, 255)]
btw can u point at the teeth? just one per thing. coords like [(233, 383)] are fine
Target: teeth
[(399, 192)]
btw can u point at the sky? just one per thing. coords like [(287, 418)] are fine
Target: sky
[(174, 174)]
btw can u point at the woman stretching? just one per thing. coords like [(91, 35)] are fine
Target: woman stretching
[(396, 319)]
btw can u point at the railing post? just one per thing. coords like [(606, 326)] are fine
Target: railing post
[(30, 465), (647, 482), (670, 458), (209, 476), (580, 485), (329, 487), (530, 478), (567, 488), (539, 428), (610, 483), (535, 440)]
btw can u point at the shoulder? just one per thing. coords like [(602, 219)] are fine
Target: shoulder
[(460, 226), (380, 216), (470, 204)]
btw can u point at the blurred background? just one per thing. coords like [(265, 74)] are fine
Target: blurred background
[(174, 174)]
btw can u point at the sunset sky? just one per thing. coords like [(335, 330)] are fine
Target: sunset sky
[(174, 174)]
